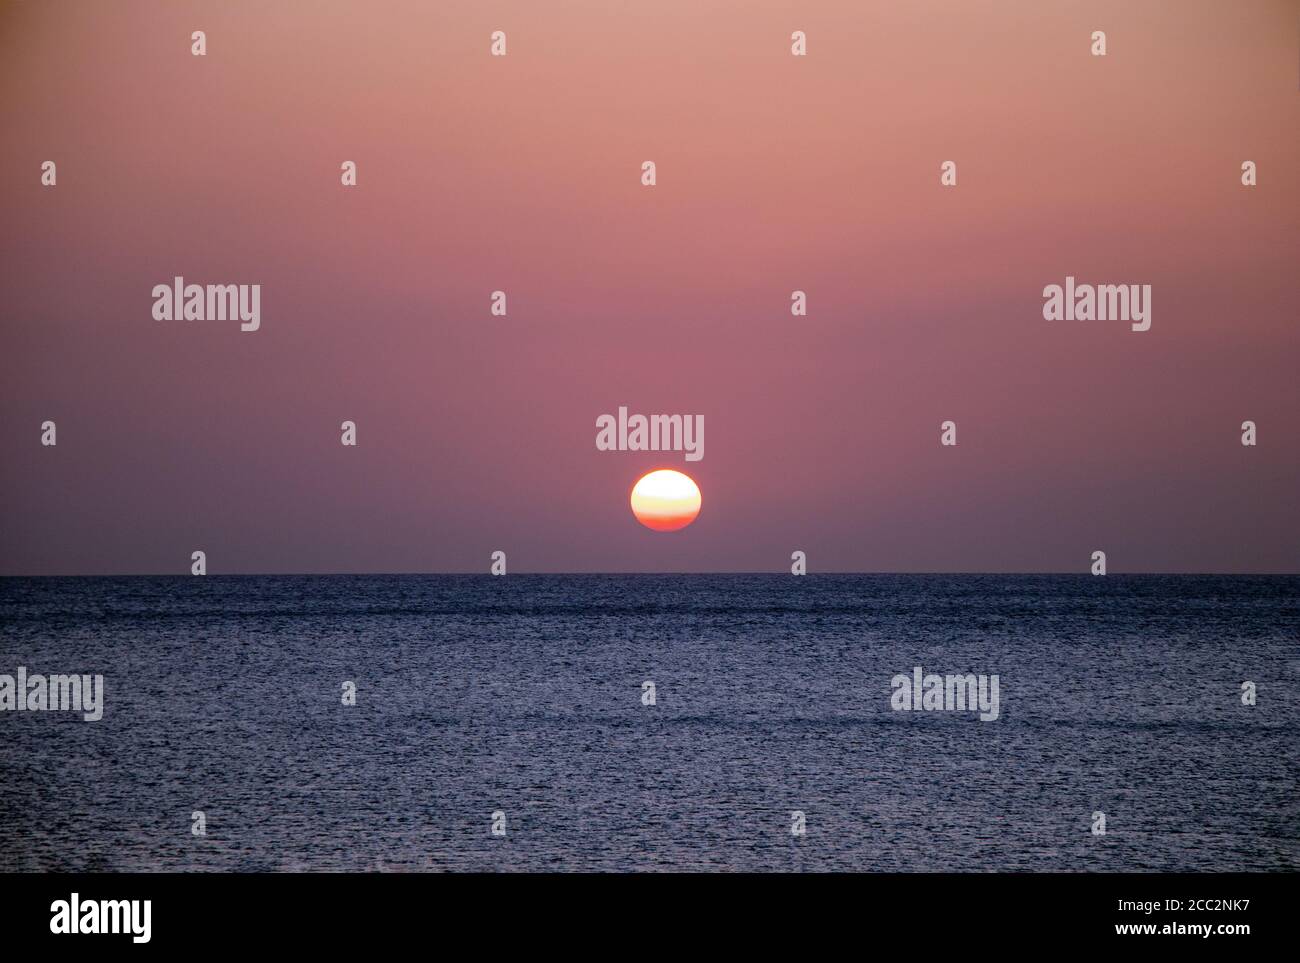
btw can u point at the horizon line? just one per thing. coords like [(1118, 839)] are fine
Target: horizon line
[(412, 574)]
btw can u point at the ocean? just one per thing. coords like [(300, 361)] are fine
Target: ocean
[(520, 703)]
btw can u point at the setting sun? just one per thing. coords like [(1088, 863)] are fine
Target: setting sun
[(665, 500)]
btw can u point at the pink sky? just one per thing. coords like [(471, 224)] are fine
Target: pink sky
[(775, 173)]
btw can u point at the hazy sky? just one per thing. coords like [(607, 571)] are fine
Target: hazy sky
[(775, 173)]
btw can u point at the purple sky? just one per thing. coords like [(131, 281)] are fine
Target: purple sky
[(775, 173)]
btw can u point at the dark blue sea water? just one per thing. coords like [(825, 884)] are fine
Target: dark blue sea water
[(524, 694)]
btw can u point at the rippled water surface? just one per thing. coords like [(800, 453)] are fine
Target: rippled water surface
[(524, 694)]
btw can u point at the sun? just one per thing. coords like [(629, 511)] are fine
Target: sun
[(665, 500)]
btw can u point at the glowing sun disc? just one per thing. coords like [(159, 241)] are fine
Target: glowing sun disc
[(665, 500)]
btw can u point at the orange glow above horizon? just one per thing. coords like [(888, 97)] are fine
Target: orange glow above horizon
[(665, 500)]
